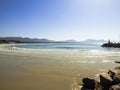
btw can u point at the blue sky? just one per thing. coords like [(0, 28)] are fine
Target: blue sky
[(60, 19)]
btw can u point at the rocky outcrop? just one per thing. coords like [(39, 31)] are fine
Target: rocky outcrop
[(90, 84), (114, 45), (107, 81)]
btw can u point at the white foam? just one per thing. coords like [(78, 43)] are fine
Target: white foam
[(106, 61), (83, 61)]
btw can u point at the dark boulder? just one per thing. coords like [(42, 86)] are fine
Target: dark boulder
[(88, 83), (106, 81), (111, 74), (115, 87)]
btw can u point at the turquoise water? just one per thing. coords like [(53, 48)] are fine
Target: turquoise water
[(63, 46), (60, 46), (72, 52)]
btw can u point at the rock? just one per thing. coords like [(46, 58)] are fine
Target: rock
[(117, 62), (115, 75), (115, 87), (111, 74), (105, 81), (88, 83), (98, 86), (108, 81), (116, 70), (117, 67)]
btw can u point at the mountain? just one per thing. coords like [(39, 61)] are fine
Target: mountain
[(94, 41), (33, 40), (26, 39), (70, 40)]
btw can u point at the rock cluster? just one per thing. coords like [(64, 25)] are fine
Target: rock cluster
[(107, 81)]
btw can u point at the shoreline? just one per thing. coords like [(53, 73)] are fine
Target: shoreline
[(48, 69)]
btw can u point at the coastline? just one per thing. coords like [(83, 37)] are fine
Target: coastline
[(55, 70)]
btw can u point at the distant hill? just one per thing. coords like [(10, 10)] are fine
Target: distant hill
[(27, 40), (94, 41), (21, 39), (36, 40), (70, 40)]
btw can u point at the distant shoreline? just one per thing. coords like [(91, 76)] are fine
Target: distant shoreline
[(18, 42)]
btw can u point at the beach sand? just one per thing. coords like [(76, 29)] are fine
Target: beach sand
[(44, 71)]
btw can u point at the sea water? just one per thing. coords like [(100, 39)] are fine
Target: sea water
[(60, 46), (72, 52)]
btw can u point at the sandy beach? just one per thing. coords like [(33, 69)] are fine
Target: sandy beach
[(54, 44), (47, 70)]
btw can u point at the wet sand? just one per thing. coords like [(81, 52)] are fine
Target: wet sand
[(46, 72), (17, 73)]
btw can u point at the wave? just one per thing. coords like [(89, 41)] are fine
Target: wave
[(87, 56), (107, 61), (62, 46), (92, 61)]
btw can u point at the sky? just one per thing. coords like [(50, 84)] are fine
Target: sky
[(60, 19)]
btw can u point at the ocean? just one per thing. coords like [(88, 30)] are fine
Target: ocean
[(80, 47), (62, 46), (72, 52)]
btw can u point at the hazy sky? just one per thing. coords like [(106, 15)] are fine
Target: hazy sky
[(60, 19)]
